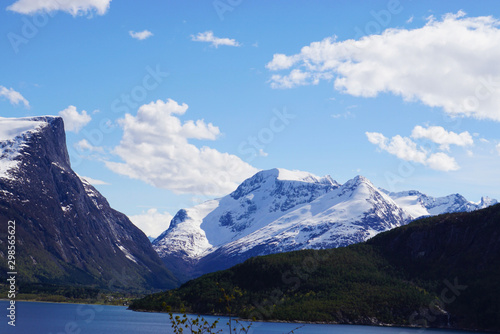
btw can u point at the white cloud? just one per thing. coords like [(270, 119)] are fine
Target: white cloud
[(140, 35), (262, 153), (13, 96), (94, 182), (345, 115), (498, 148), (442, 161), (155, 148), (74, 7), (410, 20), (406, 149), (450, 63), (402, 147), (281, 62), (296, 78), (442, 137), (152, 222), (208, 36), (84, 145), (73, 120)]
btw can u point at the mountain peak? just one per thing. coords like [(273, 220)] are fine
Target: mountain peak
[(270, 177), (296, 175), (357, 181), (486, 202)]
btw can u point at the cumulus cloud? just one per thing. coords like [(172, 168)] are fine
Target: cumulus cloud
[(450, 63), (140, 35), (406, 149), (281, 62), (152, 222), (297, 78), (74, 7), (156, 148), (73, 120), (208, 37), (13, 96), (442, 161), (442, 137), (402, 147)]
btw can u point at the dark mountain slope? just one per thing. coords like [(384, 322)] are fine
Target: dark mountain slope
[(462, 248)]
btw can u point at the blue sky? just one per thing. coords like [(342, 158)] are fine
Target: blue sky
[(169, 103)]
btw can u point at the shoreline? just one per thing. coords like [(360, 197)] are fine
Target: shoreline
[(300, 322), (52, 302)]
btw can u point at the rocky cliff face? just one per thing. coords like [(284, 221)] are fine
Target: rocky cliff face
[(66, 231)]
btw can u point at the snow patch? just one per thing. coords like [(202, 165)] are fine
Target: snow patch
[(13, 134), (66, 208), (128, 255), (11, 128)]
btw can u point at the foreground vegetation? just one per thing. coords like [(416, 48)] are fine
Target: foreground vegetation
[(441, 272)]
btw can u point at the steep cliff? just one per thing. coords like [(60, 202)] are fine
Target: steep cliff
[(66, 232)]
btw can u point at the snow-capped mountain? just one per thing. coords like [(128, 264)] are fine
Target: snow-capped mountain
[(66, 232), (420, 205), (259, 200), (280, 210), (275, 211)]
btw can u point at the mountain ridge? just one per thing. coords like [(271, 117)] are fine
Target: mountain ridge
[(279, 210)]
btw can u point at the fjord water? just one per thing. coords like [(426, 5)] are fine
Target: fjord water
[(51, 318)]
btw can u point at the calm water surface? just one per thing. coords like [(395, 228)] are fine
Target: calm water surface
[(47, 318)]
